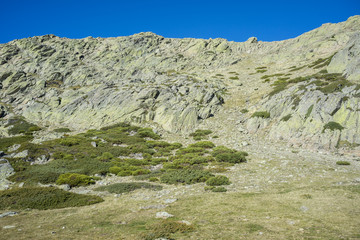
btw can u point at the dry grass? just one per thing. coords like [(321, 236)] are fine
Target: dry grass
[(329, 213)]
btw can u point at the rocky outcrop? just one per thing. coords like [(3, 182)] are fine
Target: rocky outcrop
[(300, 114), (347, 60), (6, 170)]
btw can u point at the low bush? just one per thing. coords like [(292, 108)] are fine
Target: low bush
[(34, 128), (43, 198), (200, 134), (342, 163), (215, 189), (148, 132), (218, 181), (5, 143), (164, 229), (70, 141), (203, 144), (224, 154), (187, 176), (236, 157), (261, 114), (286, 118), (105, 157), (19, 125), (75, 179), (219, 189), (190, 149), (62, 130), (333, 126), (119, 188)]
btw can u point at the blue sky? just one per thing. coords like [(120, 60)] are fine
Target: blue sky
[(233, 20)]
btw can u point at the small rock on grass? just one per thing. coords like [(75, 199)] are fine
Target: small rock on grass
[(170, 200), (8, 214), (163, 215)]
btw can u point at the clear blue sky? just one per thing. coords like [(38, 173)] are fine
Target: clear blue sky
[(233, 20)]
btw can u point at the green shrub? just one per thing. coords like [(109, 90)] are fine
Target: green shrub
[(105, 157), (70, 141), (218, 181), (224, 154), (200, 134), (119, 188), (147, 132), (43, 198), (115, 169), (203, 144), (187, 176), (117, 125), (160, 144), (34, 128), (234, 78), (244, 110), (237, 157), (5, 143), (124, 173), (165, 228), (19, 125), (286, 118), (153, 179), (219, 189), (215, 189), (140, 172), (261, 114), (342, 163), (75, 179), (190, 149), (62, 130), (333, 126), (307, 115), (48, 173)]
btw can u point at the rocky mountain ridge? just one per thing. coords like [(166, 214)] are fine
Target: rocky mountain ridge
[(177, 84)]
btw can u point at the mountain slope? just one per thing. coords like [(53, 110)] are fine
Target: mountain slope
[(177, 83)]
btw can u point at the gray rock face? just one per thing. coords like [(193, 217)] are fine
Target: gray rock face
[(6, 170), (308, 112), (347, 61)]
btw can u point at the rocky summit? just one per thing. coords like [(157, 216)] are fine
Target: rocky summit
[(99, 120)]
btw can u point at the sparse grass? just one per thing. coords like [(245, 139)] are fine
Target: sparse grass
[(307, 115), (43, 198), (20, 125), (62, 130), (286, 118), (165, 229), (262, 114), (5, 143), (119, 188)]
